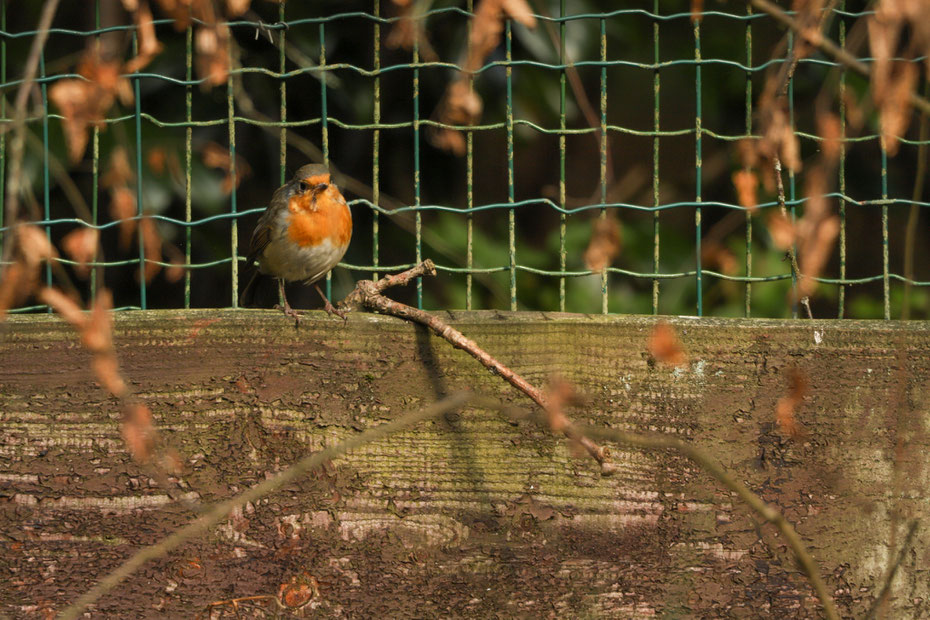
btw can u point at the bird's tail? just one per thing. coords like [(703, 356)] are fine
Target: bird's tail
[(248, 293)]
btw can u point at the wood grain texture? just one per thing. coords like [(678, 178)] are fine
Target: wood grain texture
[(478, 515)]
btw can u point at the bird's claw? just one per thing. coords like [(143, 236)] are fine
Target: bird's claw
[(290, 313), (329, 308)]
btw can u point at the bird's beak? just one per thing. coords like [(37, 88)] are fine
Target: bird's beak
[(320, 188)]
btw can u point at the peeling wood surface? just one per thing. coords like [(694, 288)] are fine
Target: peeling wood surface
[(475, 515)]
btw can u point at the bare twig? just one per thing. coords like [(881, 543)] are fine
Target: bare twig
[(873, 610), (816, 38), (756, 503), (783, 208), (368, 294), (222, 510), (14, 178)]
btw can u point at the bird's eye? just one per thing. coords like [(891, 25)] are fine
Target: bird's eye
[(304, 187)]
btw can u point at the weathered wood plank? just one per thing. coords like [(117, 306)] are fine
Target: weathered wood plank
[(476, 515)]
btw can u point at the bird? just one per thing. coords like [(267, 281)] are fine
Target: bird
[(302, 234)]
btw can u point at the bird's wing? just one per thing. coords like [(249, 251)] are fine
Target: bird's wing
[(261, 236)]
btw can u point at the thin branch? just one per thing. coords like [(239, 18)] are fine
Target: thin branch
[(367, 294), (222, 510), (816, 38), (783, 208), (14, 177), (873, 610), (757, 504)]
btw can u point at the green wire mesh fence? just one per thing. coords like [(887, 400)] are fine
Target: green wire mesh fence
[(594, 115)]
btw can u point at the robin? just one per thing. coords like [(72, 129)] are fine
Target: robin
[(302, 234)]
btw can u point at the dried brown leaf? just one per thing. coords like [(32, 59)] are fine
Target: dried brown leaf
[(123, 208), (447, 139), (152, 242), (895, 106), (149, 45), (487, 27), (459, 106), (156, 158), (747, 185), (559, 393), (176, 271), (781, 229), (79, 106), (235, 8), (66, 307), (138, 431), (33, 245), (212, 45), (16, 284), (216, 156), (785, 410), (665, 347), (605, 243), (179, 10), (829, 128), (98, 332), (81, 245), (118, 172), (697, 10), (520, 12), (816, 252), (408, 30), (106, 369), (898, 29), (748, 153)]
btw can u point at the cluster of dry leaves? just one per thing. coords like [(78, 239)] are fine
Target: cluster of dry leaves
[(898, 29), (85, 101), (460, 105), (118, 180), (20, 279), (893, 83)]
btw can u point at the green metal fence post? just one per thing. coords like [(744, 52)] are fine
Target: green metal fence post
[(416, 161), (698, 167), (234, 228), (143, 302), (511, 215), (748, 309), (563, 219), (376, 139), (46, 185), (188, 140), (655, 158)]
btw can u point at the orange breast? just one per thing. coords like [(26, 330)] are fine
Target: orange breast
[(312, 222)]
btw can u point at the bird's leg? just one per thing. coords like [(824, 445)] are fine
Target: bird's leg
[(328, 307), (288, 311)]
